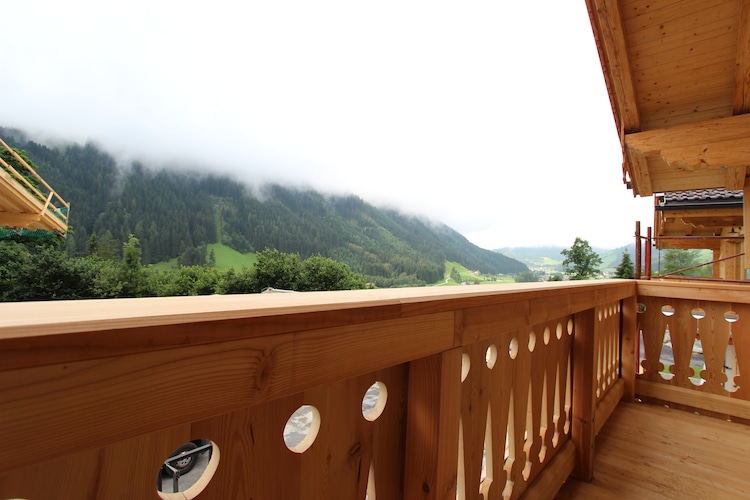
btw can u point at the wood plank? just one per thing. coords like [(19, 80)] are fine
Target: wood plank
[(630, 339), (676, 82), (736, 176), (695, 399), (110, 472), (609, 34), (432, 431), (685, 114), (657, 63), (555, 474), (584, 396), (711, 131), (34, 334), (696, 457), (742, 71), (718, 292), (98, 400), (720, 214), (639, 15), (640, 175), (698, 24), (746, 242), (733, 153), (17, 220), (607, 405)]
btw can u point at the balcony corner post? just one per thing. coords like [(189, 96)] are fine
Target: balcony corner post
[(584, 397)]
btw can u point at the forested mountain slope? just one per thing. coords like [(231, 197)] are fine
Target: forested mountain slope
[(173, 212)]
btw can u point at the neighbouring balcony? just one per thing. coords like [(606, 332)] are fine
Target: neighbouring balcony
[(28, 204), (462, 392)]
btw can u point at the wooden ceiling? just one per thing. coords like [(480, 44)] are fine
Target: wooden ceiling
[(678, 76)]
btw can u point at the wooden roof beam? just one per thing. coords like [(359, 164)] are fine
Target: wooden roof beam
[(733, 154), (680, 136), (741, 101), (606, 21), (639, 172), (687, 212), (712, 153), (609, 35)]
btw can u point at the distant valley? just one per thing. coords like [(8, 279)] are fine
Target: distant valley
[(547, 260)]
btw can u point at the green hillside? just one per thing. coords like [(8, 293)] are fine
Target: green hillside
[(179, 215), (228, 258), (225, 258)]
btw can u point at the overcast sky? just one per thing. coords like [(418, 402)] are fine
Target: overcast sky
[(491, 117)]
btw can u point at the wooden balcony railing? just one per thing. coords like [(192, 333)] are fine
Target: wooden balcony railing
[(474, 392), (695, 350), (27, 201)]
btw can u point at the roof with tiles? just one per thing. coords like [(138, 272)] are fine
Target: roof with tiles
[(718, 197)]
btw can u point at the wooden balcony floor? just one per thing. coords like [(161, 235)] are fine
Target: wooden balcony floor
[(648, 451)]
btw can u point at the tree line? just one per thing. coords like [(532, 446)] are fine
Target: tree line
[(43, 271)]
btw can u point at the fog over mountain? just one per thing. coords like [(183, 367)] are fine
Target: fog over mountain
[(443, 110)]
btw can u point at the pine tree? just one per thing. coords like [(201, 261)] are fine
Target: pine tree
[(626, 268)]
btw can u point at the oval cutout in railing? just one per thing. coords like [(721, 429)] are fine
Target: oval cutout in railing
[(513, 348), (731, 316), (187, 470), (546, 336), (667, 310), (570, 327), (532, 341), (641, 308), (374, 400), (698, 313), (559, 331), (490, 356), (302, 428)]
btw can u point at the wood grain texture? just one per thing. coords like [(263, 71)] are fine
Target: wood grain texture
[(105, 400), (670, 65), (134, 386), (584, 394), (431, 464), (679, 455), (741, 102), (124, 470)]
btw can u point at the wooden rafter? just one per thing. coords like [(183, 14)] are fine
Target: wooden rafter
[(741, 101), (708, 154)]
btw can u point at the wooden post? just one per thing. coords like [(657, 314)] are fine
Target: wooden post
[(434, 409), (584, 397), (637, 249), (649, 242), (746, 217), (628, 342)]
